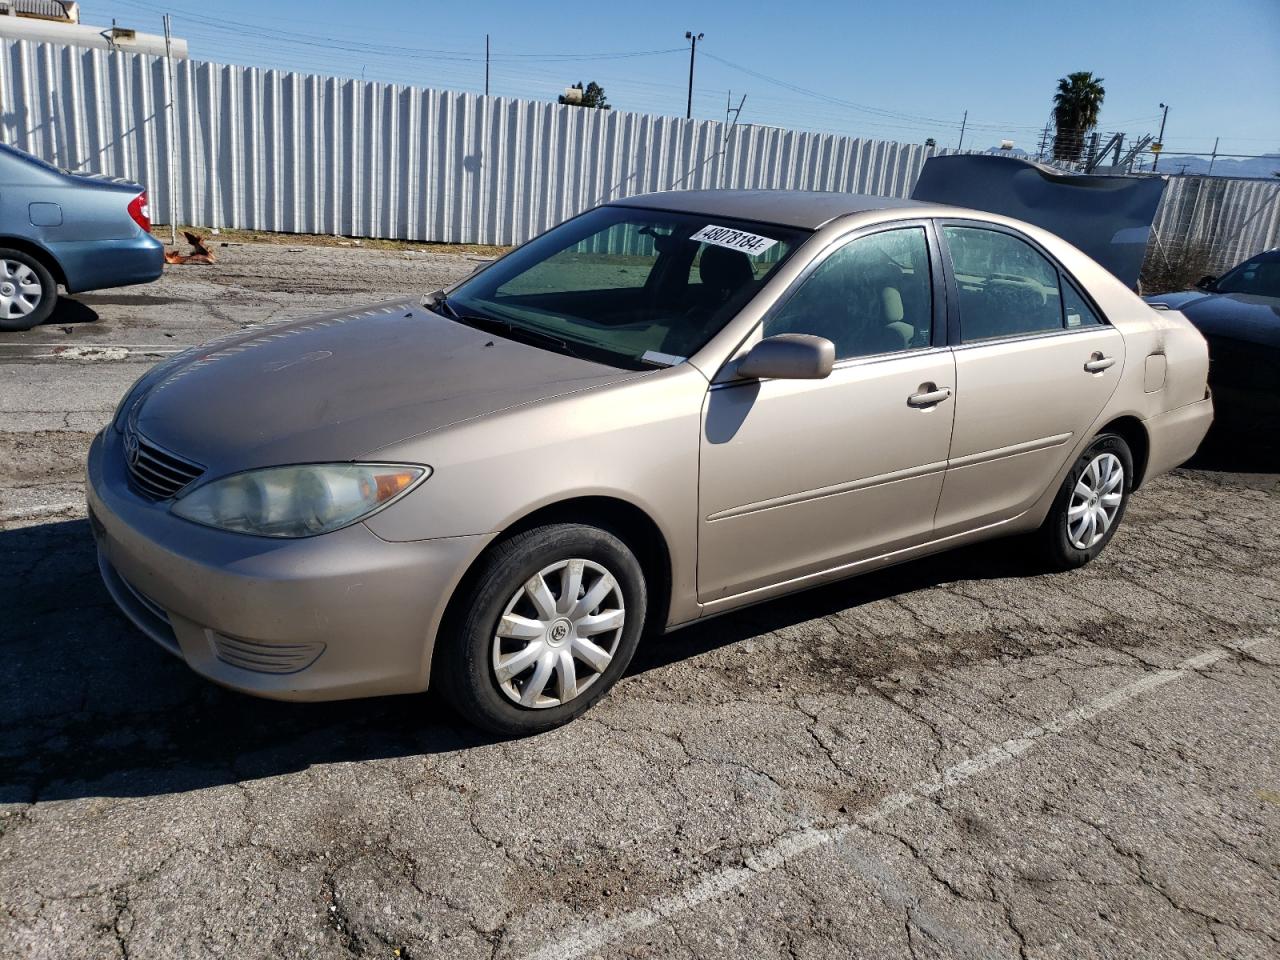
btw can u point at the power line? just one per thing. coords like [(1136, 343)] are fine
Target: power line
[(452, 67)]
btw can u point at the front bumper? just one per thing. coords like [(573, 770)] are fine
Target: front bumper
[(341, 615)]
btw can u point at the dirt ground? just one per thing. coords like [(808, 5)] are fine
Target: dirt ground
[(956, 758)]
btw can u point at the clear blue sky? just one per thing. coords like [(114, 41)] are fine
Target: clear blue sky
[(902, 71)]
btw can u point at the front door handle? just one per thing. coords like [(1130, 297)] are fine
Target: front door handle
[(1099, 362), (929, 395)]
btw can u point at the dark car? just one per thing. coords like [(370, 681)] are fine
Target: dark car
[(1239, 314), (82, 231)]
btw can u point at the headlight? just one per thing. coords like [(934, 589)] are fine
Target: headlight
[(298, 501)]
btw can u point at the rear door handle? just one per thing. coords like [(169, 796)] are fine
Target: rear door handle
[(928, 396), (1098, 362)]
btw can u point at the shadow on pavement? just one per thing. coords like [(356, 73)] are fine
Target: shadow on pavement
[(68, 311), (1239, 447), (91, 707)]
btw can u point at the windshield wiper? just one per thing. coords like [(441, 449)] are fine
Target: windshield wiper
[(501, 327)]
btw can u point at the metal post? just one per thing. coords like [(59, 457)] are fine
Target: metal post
[(1213, 158), (486, 64), (693, 50), (171, 134), (963, 124), (1155, 164)]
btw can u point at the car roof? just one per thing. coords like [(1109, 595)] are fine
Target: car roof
[(808, 209)]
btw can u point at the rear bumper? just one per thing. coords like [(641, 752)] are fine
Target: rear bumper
[(341, 615), (1175, 436), (95, 264)]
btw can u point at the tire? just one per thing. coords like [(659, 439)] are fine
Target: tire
[(27, 291), (1065, 540), (540, 629)]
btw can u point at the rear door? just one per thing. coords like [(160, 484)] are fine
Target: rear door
[(1035, 364)]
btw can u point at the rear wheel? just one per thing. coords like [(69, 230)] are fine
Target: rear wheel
[(550, 624), (27, 290), (1089, 505)]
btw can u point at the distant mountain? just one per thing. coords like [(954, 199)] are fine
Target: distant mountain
[(1222, 167), (1265, 167)]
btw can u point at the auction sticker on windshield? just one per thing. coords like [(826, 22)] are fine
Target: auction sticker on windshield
[(734, 239)]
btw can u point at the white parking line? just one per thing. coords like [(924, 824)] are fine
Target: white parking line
[(604, 931)]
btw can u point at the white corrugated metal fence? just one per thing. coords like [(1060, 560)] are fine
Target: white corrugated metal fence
[(274, 150)]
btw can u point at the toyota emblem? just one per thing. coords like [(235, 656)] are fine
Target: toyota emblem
[(131, 447)]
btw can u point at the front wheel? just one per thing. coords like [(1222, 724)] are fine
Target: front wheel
[(1090, 504), (549, 625), (27, 291)]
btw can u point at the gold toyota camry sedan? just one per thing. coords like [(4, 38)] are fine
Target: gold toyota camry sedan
[(666, 408)]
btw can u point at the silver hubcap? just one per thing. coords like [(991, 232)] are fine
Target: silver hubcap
[(20, 290), (558, 633), (1095, 501)]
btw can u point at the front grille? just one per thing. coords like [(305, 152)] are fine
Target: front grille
[(265, 657), (155, 472), (153, 608), (152, 618)]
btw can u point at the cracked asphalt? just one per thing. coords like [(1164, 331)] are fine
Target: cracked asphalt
[(959, 757)]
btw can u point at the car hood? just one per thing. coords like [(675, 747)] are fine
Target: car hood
[(341, 386), (1238, 316)]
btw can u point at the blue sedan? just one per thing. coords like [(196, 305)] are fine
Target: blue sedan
[(82, 231)]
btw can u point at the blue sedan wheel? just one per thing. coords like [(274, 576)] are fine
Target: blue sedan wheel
[(27, 291)]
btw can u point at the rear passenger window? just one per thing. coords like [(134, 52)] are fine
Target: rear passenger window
[(1078, 312), (1007, 288), (873, 295)]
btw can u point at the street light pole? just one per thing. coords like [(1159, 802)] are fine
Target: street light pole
[(1155, 164), (693, 39)]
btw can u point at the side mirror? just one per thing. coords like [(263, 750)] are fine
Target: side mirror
[(1206, 283), (789, 356)]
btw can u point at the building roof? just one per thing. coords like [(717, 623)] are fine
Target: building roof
[(808, 209)]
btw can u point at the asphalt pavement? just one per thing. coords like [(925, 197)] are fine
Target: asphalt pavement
[(959, 757)]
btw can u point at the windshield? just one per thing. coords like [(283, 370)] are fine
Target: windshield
[(626, 286), (1259, 276)]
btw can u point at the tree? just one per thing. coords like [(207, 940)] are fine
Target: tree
[(930, 143), (1075, 112), (591, 96)]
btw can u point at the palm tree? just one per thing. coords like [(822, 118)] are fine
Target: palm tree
[(1075, 112)]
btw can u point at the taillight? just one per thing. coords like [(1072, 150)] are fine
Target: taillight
[(138, 210)]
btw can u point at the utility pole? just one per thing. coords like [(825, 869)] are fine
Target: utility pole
[(486, 64), (693, 50), (728, 130), (963, 124), (1213, 158), (1044, 142), (170, 118), (1155, 164)]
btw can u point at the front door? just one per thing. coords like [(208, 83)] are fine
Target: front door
[(798, 476), (1035, 365)]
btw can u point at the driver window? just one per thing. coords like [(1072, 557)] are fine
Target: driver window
[(873, 295), (1007, 288)]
